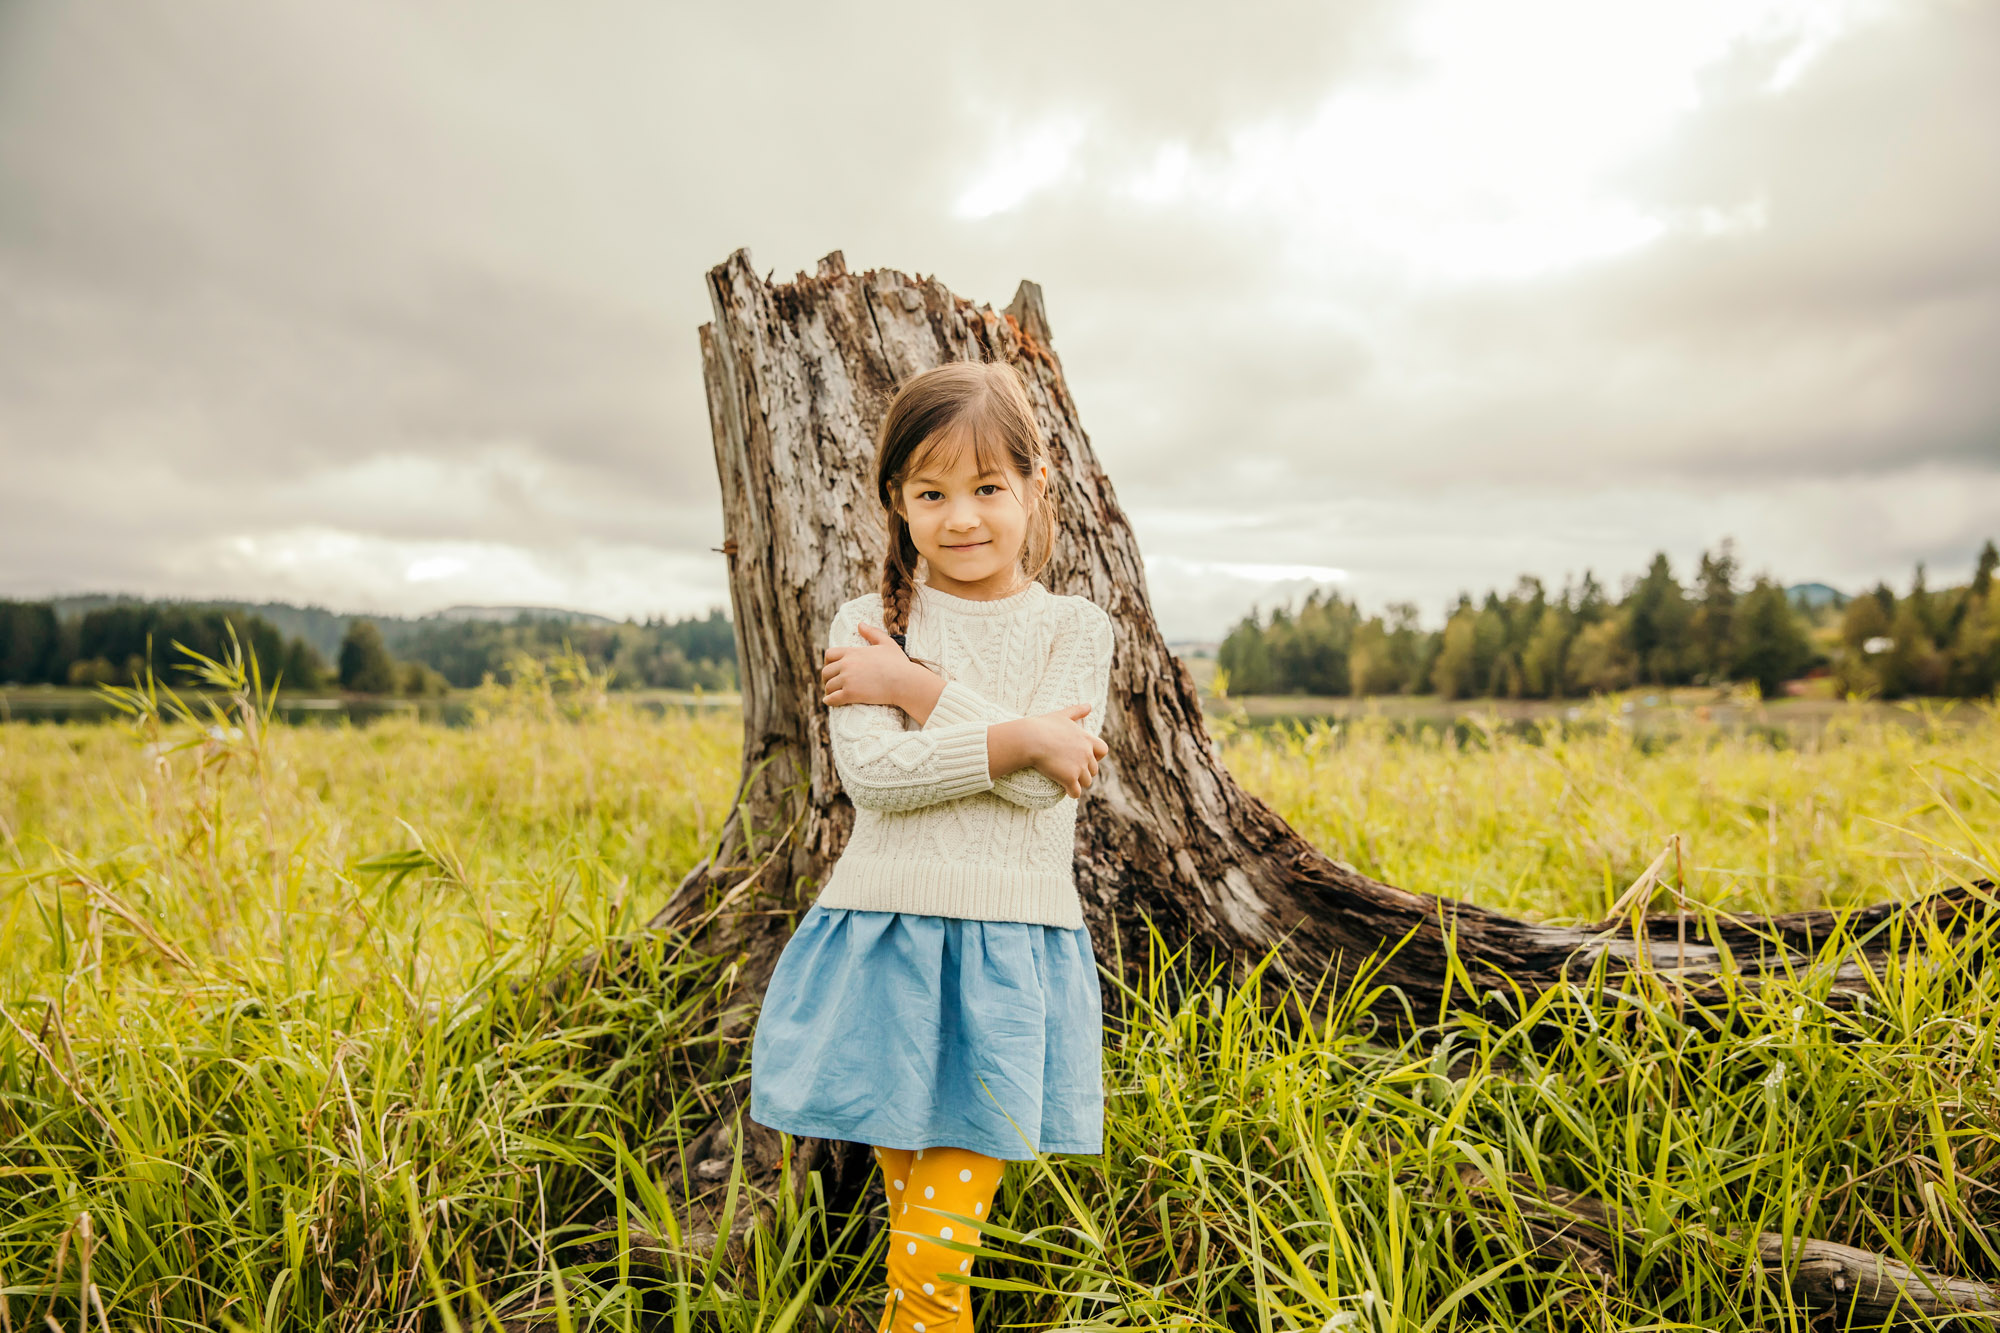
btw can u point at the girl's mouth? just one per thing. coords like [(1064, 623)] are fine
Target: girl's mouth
[(965, 547)]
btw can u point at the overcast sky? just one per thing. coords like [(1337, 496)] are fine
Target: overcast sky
[(388, 307)]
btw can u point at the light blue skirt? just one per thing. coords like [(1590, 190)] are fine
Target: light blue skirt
[(905, 1030)]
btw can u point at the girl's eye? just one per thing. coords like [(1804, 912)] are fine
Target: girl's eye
[(991, 486), (925, 495)]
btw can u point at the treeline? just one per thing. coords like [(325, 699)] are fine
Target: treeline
[(108, 645), (652, 654), (1531, 644)]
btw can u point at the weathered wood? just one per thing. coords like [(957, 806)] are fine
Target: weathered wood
[(798, 376), (1865, 1289)]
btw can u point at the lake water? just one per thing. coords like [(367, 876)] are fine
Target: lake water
[(1647, 715), (69, 705)]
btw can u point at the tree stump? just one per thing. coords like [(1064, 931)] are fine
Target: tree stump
[(798, 376)]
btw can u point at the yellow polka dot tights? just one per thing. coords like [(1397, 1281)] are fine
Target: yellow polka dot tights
[(926, 1290)]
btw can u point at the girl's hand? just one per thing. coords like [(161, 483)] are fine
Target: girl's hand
[(877, 673), (1065, 751)]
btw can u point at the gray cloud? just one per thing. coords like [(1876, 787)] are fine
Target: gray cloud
[(292, 299)]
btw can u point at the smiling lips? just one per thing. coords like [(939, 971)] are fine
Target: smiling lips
[(966, 546)]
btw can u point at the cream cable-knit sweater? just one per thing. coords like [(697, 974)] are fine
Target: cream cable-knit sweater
[(933, 831)]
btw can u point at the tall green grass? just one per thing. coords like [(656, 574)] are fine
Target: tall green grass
[(1877, 804), (264, 1063)]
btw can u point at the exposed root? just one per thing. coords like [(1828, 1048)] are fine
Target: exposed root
[(1858, 1286)]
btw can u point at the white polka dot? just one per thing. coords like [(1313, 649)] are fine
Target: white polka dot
[(913, 1247), (906, 1208), (929, 1290), (965, 1175), (899, 1184), (920, 1154), (965, 1267), (977, 1207), (899, 1293), (929, 1193), (946, 1233), (920, 1328)]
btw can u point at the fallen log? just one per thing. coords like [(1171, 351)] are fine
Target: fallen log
[(798, 376), (1862, 1288)]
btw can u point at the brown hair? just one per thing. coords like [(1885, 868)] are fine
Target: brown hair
[(985, 400)]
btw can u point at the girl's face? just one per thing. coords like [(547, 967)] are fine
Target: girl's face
[(967, 524)]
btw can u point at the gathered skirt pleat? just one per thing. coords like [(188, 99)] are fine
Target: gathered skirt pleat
[(906, 1030)]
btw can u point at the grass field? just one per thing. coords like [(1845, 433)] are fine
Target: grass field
[(262, 1067)]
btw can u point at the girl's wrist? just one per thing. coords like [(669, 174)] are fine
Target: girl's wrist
[(917, 692), (1012, 746)]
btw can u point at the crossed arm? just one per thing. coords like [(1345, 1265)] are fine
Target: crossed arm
[(885, 766)]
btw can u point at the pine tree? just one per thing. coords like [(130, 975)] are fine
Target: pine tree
[(1767, 642), (1913, 664), (1542, 659), (1657, 617), (365, 664), (1715, 590), (303, 669), (1455, 673)]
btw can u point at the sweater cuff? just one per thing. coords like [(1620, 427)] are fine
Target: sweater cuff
[(956, 704), (962, 764)]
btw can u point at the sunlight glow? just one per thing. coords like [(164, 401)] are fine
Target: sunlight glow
[(415, 576), (1255, 573), (434, 567), (1023, 164), (1495, 152)]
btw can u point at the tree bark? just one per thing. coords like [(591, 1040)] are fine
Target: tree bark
[(798, 376), (1861, 1287)]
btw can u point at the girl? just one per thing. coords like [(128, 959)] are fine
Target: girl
[(939, 1000)]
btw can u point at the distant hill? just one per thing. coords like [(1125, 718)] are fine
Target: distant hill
[(507, 614), (1813, 596), (323, 629)]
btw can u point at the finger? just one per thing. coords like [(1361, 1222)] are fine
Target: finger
[(1078, 711), (872, 633), (1098, 746)]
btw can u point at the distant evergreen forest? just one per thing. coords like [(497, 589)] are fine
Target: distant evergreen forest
[(1531, 644), (91, 640), (1527, 644)]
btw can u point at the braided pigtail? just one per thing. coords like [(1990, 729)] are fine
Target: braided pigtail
[(899, 588), (899, 577)]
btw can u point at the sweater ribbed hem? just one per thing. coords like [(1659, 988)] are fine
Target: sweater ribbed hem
[(987, 893), (954, 705), (963, 767)]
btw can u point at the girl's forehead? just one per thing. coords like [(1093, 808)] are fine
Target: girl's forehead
[(955, 455)]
